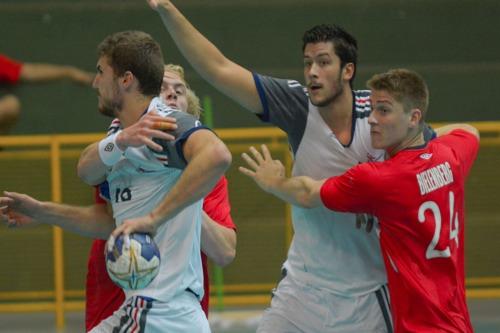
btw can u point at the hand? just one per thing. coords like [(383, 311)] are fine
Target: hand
[(81, 77), (142, 132), (264, 170), (154, 4), (145, 224), (18, 210), (365, 219)]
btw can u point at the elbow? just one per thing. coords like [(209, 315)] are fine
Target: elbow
[(226, 257), (86, 175), (224, 157)]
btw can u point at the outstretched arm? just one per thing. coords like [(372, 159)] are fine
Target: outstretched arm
[(37, 72), (217, 241), (18, 210), (227, 76), (443, 130), (208, 158), (269, 174)]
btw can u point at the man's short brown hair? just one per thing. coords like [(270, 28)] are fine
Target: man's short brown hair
[(406, 86), (137, 52)]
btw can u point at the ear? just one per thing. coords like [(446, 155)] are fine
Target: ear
[(415, 117), (127, 79), (348, 71)]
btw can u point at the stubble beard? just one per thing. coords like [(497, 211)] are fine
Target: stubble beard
[(335, 94), (111, 107)]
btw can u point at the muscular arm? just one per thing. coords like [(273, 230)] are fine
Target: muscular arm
[(217, 241), (34, 72), (94, 221), (230, 78), (269, 174), (208, 158), (91, 169)]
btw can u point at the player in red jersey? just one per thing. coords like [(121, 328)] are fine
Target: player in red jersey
[(417, 195), (218, 237), (13, 72)]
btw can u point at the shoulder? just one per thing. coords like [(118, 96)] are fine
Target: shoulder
[(361, 103)]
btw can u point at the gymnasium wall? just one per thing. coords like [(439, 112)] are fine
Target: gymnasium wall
[(453, 44)]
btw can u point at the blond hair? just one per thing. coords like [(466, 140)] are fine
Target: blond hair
[(194, 107)]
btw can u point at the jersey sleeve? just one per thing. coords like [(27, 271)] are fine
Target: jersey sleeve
[(10, 70), (173, 150), (285, 104), (353, 192), (464, 145), (216, 204)]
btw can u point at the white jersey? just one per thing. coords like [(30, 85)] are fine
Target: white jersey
[(327, 250), (137, 184)]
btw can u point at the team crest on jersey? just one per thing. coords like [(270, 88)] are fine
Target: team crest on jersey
[(426, 156)]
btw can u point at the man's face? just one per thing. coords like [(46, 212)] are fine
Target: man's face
[(388, 120), (110, 99), (322, 73), (173, 91)]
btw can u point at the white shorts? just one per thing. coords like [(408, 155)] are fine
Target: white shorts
[(300, 308), (183, 314)]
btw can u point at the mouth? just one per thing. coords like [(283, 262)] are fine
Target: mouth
[(314, 86)]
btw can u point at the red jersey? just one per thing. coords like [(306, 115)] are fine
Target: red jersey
[(10, 70), (103, 297), (418, 197)]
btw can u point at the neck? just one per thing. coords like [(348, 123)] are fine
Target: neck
[(338, 114), (412, 140), (133, 108)]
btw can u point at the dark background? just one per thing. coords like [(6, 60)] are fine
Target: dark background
[(453, 44)]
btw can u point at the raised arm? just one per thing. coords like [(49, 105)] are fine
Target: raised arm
[(230, 78), (269, 174), (38, 72), (208, 158), (18, 210)]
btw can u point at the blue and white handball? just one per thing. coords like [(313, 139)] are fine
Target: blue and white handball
[(136, 266)]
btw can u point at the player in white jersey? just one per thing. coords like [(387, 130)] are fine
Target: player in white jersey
[(156, 189), (335, 279)]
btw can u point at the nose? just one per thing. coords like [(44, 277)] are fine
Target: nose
[(371, 118), (171, 94)]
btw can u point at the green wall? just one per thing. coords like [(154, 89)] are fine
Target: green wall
[(453, 44)]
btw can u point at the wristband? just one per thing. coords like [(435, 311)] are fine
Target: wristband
[(109, 152)]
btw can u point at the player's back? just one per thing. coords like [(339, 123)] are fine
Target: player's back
[(420, 206)]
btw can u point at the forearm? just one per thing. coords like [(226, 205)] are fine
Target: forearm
[(93, 221), (202, 173), (91, 169), (33, 72), (217, 242), (299, 191), (443, 130)]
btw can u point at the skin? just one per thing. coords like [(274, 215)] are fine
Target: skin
[(327, 83), (20, 210)]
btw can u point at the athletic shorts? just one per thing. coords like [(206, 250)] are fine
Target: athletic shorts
[(300, 308), (182, 314)]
